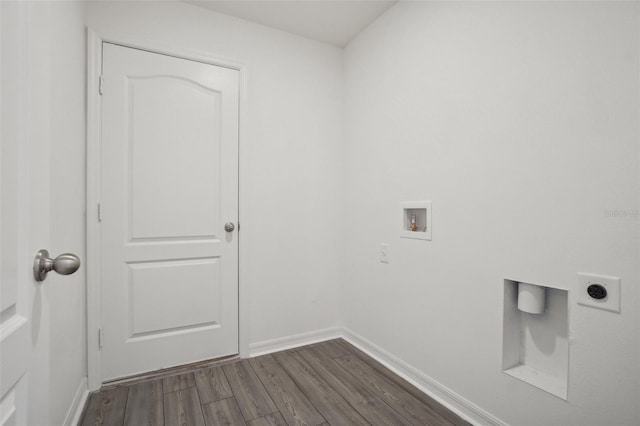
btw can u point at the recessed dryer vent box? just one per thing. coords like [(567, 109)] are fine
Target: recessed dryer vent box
[(416, 220), (535, 346)]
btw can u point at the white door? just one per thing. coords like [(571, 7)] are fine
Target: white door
[(23, 230), (169, 184), (15, 348)]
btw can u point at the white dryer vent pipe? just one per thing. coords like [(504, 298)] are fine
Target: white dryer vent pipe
[(531, 298)]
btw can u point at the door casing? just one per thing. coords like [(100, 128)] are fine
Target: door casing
[(94, 125)]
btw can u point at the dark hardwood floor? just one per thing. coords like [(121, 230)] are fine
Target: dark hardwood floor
[(329, 383)]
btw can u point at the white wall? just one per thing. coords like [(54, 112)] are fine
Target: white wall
[(67, 294), (289, 146), (519, 120), (52, 178)]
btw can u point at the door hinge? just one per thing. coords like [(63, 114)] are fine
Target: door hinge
[(99, 213), (100, 336), (100, 83), (238, 226)]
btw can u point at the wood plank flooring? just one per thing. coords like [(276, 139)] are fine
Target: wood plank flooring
[(329, 383)]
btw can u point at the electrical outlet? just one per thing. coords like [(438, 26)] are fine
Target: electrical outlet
[(599, 291), (384, 253)]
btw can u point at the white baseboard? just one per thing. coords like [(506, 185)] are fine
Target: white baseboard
[(288, 342), (77, 405), (445, 396)]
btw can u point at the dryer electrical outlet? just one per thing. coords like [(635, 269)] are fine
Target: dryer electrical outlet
[(599, 291)]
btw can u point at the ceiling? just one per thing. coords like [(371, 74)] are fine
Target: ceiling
[(328, 21)]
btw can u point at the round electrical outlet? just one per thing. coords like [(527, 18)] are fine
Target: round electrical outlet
[(597, 291)]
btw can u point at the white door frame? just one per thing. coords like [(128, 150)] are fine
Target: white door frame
[(94, 125)]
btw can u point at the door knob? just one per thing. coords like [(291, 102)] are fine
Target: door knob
[(229, 227), (65, 264)]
